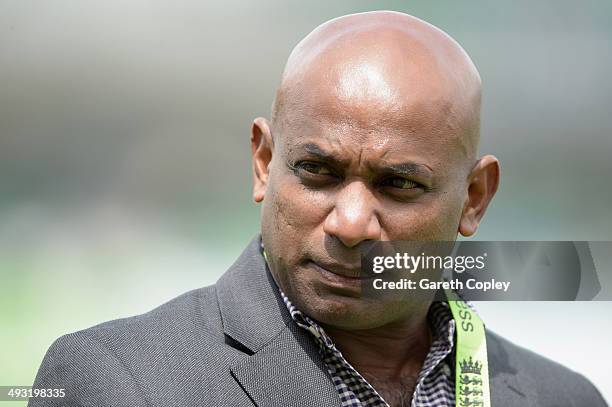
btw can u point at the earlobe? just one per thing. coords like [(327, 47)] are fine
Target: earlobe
[(261, 152), (483, 183), (467, 225)]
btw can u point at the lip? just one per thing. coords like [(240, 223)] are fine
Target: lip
[(339, 274)]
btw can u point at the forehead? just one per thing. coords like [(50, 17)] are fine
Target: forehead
[(421, 131), (352, 146), (366, 105)]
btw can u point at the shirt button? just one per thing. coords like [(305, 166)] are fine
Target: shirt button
[(446, 369), (314, 331)]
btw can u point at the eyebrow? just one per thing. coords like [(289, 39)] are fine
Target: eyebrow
[(405, 169), (319, 152), (325, 156)]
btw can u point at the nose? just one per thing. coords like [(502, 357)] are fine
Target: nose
[(353, 218)]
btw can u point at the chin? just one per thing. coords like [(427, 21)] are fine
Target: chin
[(345, 312)]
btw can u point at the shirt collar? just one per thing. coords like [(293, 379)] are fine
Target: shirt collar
[(439, 317)]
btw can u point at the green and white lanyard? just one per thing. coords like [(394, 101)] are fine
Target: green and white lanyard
[(471, 362), (471, 366)]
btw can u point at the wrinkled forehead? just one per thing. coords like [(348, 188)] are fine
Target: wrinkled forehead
[(423, 125), (363, 148)]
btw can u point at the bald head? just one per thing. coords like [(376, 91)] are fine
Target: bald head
[(376, 67)]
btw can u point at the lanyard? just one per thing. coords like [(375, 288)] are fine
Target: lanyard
[(471, 366)]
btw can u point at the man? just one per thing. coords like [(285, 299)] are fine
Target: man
[(373, 136)]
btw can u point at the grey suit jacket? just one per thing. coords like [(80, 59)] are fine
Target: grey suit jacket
[(234, 344)]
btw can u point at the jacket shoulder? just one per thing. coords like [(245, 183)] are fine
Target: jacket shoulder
[(552, 383), (197, 306), (121, 362)]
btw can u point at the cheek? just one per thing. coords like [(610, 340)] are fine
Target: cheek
[(435, 220), (299, 205), (292, 211)]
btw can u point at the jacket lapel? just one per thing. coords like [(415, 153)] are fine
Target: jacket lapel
[(283, 367), (508, 387), (287, 372)]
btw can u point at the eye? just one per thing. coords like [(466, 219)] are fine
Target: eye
[(401, 183), (314, 168), (315, 174)]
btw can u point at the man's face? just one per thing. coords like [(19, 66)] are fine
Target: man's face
[(344, 172)]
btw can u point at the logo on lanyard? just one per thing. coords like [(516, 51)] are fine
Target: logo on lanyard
[(472, 368)]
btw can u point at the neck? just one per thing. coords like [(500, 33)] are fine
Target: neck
[(391, 352)]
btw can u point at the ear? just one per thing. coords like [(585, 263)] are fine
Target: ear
[(261, 151), (483, 182)]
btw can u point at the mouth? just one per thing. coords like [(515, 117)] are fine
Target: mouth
[(338, 274)]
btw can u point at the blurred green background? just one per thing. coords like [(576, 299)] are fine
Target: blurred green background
[(124, 156)]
